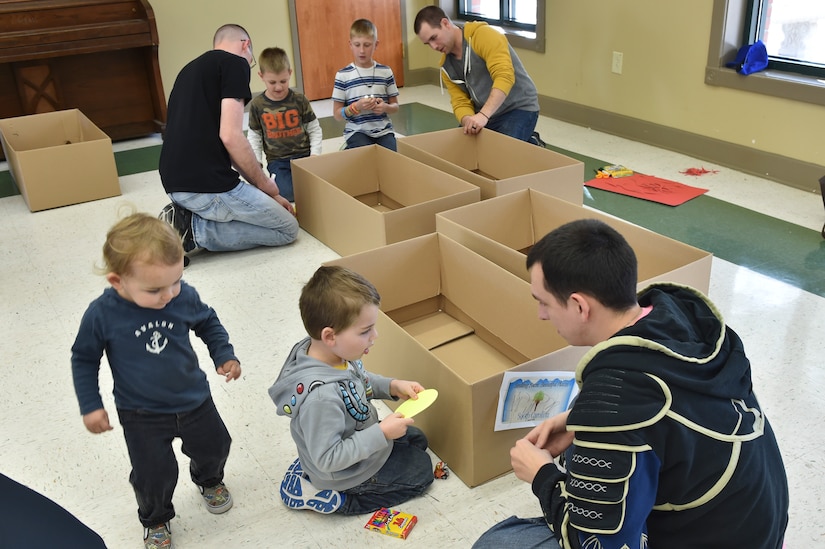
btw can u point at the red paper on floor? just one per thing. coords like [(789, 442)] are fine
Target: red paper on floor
[(648, 187)]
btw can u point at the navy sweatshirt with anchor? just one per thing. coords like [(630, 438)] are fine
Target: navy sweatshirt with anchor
[(154, 367)]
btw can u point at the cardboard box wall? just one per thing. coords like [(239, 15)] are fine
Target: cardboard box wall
[(363, 198), (59, 158), (503, 229), (496, 163), (454, 321)]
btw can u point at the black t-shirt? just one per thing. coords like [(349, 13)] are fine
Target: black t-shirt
[(193, 158)]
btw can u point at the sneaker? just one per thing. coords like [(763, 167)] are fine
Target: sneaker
[(535, 139), (218, 499), (297, 492), (157, 536), (181, 220)]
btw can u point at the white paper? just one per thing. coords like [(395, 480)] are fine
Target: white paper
[(528, 398)]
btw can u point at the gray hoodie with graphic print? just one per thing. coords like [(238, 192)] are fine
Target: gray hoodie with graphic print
[(332, 420)]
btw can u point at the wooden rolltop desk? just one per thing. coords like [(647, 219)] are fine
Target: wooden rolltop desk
[(99, 56)]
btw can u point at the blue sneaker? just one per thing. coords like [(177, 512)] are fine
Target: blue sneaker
[(297, 492)]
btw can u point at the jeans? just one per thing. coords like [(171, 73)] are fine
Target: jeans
[(282, 170), (359, 139), (406, 474), (242, 218), (530, 533), (154, 464), (518, 123)]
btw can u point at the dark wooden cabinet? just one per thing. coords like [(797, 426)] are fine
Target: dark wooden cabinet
[(99, 56)]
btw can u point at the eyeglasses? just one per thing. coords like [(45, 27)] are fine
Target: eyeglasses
[(252, 60)]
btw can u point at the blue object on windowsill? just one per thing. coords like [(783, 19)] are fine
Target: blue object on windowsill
[(751, 58)]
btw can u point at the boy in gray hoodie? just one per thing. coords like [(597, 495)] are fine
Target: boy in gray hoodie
[(348, 462)]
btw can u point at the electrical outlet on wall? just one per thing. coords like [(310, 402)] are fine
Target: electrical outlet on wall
[(618, 57)]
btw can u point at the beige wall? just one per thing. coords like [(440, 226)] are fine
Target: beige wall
[(665, 47), (186, 27)]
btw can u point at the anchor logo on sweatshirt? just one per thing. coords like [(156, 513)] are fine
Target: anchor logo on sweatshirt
[(155, 346)]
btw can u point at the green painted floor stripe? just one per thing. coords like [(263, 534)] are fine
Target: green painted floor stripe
[(139, 160), (764, 244)]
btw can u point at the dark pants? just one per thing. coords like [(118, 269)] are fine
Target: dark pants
[(282, 170), (406, 474), (154, 464), (359, 139)]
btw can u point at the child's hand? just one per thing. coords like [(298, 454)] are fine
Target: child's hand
[(231, 369), (403, 389), (378, 106), (366, 103), (395, 426), (97, 421)]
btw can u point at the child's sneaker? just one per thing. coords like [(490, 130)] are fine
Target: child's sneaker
[(297, 492), (218, 499), (157, 536)]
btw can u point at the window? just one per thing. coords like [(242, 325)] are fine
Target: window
[(516, 14), (521, 20), (793, 32), (737, 22)]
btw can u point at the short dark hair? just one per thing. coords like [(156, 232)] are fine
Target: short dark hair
[(230, 31), (590, 257), (333, 298), (432, 15)]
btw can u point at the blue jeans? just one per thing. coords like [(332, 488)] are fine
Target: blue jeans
[(530, 533), (519, 124), (282, 170), (406, 474), (242, 218), (359, 139), (154, 464)]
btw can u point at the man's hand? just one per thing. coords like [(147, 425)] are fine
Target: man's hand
[(552, 434), (527, 459), (285, 203)]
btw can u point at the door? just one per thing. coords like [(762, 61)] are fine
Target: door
[(323, 39)]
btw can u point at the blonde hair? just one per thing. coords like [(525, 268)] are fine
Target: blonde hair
[(274, 60), (333, 298), (140, 237), (363, 27)]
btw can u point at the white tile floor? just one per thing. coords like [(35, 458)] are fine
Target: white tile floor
[(47, 281)]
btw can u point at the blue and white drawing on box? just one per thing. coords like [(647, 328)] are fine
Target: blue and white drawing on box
[(528, 398)]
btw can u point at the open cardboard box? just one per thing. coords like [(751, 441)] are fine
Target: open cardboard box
[(454, 321), (59, 158), (498, 164), (363, 198), (503, 230)]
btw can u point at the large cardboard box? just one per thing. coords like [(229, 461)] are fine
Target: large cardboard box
[(504, 229), (497, 164), (455, 321), (59, 158), (363, 198)]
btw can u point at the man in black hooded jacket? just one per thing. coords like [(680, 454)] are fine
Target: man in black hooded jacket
[(666, 445)]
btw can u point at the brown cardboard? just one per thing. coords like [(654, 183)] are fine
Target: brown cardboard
[(59, 158), (503, 229), (455, 321), (496, 163), (363, 198)]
